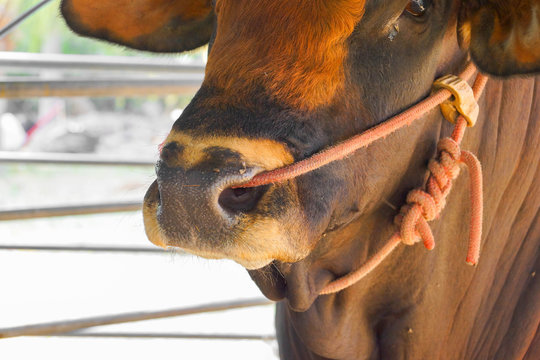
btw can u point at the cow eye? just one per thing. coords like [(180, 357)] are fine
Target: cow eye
[(417, 7)]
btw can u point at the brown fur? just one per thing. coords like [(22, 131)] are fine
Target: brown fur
[(152, 25), (128, 19), (298, 57)]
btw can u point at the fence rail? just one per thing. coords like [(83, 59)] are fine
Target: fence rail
[(17, 60), (59, 327), (102, 87), (167, 336), (108, 249), (53, 211), (70, 159)]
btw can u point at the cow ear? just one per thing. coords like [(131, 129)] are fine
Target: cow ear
[(503, 36), (151, 25)]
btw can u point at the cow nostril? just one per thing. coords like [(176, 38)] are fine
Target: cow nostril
[(237, 200)]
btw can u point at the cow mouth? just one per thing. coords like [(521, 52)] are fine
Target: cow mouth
[(279, 276), (299, 283), (270, 281)]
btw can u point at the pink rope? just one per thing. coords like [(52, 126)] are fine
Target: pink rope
[(425, 204), (346, 148)]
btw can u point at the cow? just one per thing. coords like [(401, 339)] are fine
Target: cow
[(288, 78)]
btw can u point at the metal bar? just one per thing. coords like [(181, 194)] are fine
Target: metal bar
[(58, 327), (18, 60), (167, 336), (108, 249), (113, 87), (34, 213), (69, 159), (6, 29)]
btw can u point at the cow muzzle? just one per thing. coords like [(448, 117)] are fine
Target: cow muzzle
[(195, 205)]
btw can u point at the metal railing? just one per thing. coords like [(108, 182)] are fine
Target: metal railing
[(20, 61), (59, 327), (166, 336), (69, 210), (70, 159), (101, 87), (54, 211), (181, 78), (109, 249), (173, 77)]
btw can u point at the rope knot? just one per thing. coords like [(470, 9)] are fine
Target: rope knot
[(425, 204)]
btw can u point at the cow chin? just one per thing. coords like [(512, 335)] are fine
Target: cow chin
[(254, 242)]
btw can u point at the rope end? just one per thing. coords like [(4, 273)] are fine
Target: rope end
[(429, 245)]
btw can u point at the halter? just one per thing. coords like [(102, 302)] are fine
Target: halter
[(458, 102)]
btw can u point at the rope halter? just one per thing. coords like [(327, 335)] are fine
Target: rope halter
[(458, 103)]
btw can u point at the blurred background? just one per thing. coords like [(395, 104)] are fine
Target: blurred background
[(80, 126)]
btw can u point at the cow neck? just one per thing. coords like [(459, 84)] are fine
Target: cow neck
[(423, 204)]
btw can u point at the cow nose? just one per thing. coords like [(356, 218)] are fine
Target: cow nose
[(200, 190)]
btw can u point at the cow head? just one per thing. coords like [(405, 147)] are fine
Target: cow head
[(284, 79)]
